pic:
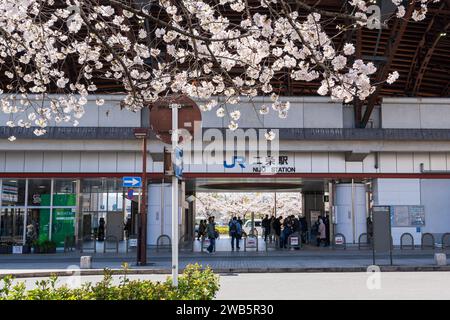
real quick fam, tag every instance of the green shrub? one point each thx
(222, 229)
(194, 284)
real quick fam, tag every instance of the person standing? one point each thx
(211, 233)
(266, 225)
(235, 233)
(321, 236)
(326, 221)
(201, 229)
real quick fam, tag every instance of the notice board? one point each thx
(407, 216)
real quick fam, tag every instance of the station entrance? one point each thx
(299, 206)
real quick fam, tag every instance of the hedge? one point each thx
(194, 284)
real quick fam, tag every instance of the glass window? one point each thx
(39, 192)
(63, 225)
(13, 192)
(38, 225)
(64, 193)
(11, 224)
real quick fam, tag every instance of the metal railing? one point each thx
(160, 242)
(445, 240)
(364, 241)
(409, 239)
(186, 242)
(112, 239)
(428, 241)
(92, 240)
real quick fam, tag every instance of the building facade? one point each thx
(69, 181)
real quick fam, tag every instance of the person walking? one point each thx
(266, 225)
(211, 233)
(235, 233)
(321, 236)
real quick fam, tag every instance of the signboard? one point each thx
(271, 164)
(130, 194)
(10, 193)
(293, 241)
(178, 162)
(135, 182)
(381, 228)
(407, 216)
(132, 243)
(251, 242)
(339, 240)
(17, 249)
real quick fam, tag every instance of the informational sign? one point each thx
(178, 163)
(407, 216)
(130, 194)
(10, 193)
(17, 249)
(251, 242)
(132, 243)
(293, 241)
(271, 164)
(339, 240)
(135, 182)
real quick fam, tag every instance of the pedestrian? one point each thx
(127, 228)
(326, 222)
(295, 224)
(266, 225)
(211, 232)
(304, 229)
(321, 236)
(201, 229)
(272, 230)
(287, 230)
(235, 233)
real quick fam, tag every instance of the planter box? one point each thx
(5, 249)
(38, 249)
(26, 249)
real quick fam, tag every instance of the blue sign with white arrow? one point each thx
(135, 182)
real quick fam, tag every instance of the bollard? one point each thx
(440, 259)
(85, 262)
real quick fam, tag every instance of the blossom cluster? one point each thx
(166, 47)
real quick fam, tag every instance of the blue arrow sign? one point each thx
(132, 182)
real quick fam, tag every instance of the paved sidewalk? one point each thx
(350, 260)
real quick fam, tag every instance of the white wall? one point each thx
(107, 115)
(420, 113)
(435, 196)
(304, 112)
(390, 192)
(159, 219)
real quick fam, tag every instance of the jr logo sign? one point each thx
(236, 160)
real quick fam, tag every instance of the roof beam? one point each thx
(426, 60)
(394, 41)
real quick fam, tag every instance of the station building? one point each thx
(64, 182)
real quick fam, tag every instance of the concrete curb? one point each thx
(95, 272)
